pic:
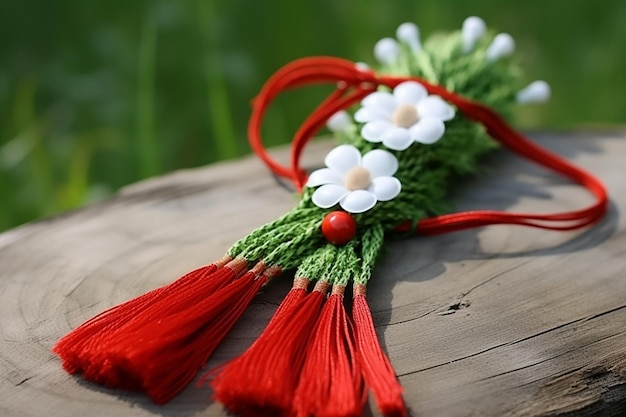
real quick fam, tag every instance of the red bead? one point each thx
(338, 227)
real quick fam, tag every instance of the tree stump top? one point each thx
(497, 321)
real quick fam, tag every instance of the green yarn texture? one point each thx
(428, 173)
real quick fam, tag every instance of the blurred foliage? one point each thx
(98, 94)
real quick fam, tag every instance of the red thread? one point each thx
(176, 348)
(354, 84)
(160, 350)
(93, 332)
(331, 383)
(378, 372)
(261, 381)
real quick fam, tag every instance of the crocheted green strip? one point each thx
(299, 227)
(339, 265)
(347, 264)
(318, 265)
(371, 245)
(304, 238)
(336, 265)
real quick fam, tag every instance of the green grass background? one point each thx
(101, 93)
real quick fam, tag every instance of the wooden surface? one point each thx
(502, 321)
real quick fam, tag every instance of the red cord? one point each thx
(354, 84)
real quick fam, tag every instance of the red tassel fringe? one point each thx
(331, 384)
(309, 361)
(378, 372)
(157, 343)
(262, 380)
(110, 362)
(100, 327)
(289, 373)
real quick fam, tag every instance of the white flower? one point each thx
(406, 116)
(355, 182)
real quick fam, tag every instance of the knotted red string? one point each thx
(353, 84)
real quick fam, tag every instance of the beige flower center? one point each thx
(358, 178)
(405, 116)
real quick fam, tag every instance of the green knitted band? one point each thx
(372, 243)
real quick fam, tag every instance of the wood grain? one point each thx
(501, 321)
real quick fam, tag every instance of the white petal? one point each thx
(363, 115)
(385, 102)
(358, 201)
(474, 28)
(386, 50)
(535, 92)
(501, 46)
(427, 131)
(435, 107)
(410, 34)
(397, 138)
(374, 131)
(362, 66)
(369, 114)
(328, 195)
(343, 158)
(409, 92)
(385, 188)
(380, 163)
(339, 122)
(324, 176)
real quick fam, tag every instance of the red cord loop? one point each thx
(353, 84)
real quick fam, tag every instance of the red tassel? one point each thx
(331, 384)
(100, 327)
(174, 348)
(378, 372)
(261, 381)
(160, 350)
(101, 359)
(93, 356)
